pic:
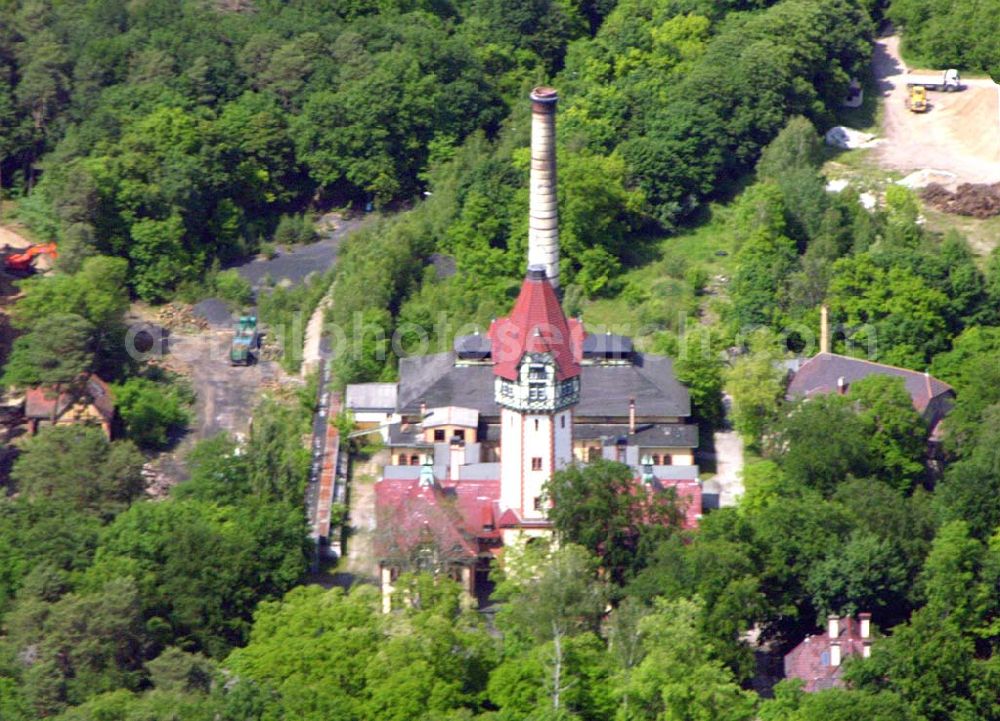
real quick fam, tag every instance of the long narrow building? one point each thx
(474, 434)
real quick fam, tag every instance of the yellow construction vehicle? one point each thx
(916, 100)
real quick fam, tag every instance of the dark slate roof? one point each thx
(606, 344)
(604, 389)
(408, 435)
(670, 435)
(435, 381)
(595, 345)
(370, 396)
(820, 374)
(472, 346)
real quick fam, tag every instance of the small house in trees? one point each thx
(474, 434)
(818, 660)
(831, 373)
(88, 401)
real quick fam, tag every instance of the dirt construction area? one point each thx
(959, 134)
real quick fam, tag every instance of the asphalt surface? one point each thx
(294, 265)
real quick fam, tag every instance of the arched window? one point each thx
(402, 460)
(414, 460)
(656, 459)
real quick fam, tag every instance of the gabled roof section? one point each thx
(821, 374)
(39, 401)
(536, 324)
(371, 397)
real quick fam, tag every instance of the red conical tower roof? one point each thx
(536, 324)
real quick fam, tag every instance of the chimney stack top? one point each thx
(544, 94)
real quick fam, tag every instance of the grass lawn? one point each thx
(669, 262)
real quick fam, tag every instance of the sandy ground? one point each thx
(10, 240)
(729, 466)
(960, 133)
(360, 564)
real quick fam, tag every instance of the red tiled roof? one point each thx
(461, 517)
(457, 518)
(39, 401)
(509, 519)
(810, 660)
(536, 324)
(689, 498)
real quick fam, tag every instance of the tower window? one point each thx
(538, 503)
(562, 421)
(438, 434)
(536, 391)
(536, 424)
(536, 373)
(536, 464)
(460, 435)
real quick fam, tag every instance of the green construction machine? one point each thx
(245, 341)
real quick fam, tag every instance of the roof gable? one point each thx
(536, 324)
(821, 373)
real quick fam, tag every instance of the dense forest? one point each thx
(159, 141)
(955, 35)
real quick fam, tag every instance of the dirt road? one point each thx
(960, 134)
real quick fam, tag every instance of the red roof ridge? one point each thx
(536, 324)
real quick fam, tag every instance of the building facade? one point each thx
(474, 434)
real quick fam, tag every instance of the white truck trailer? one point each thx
(948, 80)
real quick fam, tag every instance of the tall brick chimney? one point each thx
(824, 329)
(543, 217)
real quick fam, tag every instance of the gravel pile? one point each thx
(214, 311)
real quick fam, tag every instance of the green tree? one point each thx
(679, 680)
(864, 574)
(551, 599)
(81, 645)
(822, 441)
(56, 352)
(906, 319)
(77, 466)
(200, 569)
(153, 413)
(602, 507)
(755, 382)
(765, 259)
(896, 432)
(158, 256)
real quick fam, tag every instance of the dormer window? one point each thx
(537, 373)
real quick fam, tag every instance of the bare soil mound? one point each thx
(959, 134)
(978, 200)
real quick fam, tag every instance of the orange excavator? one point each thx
(28, 260)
